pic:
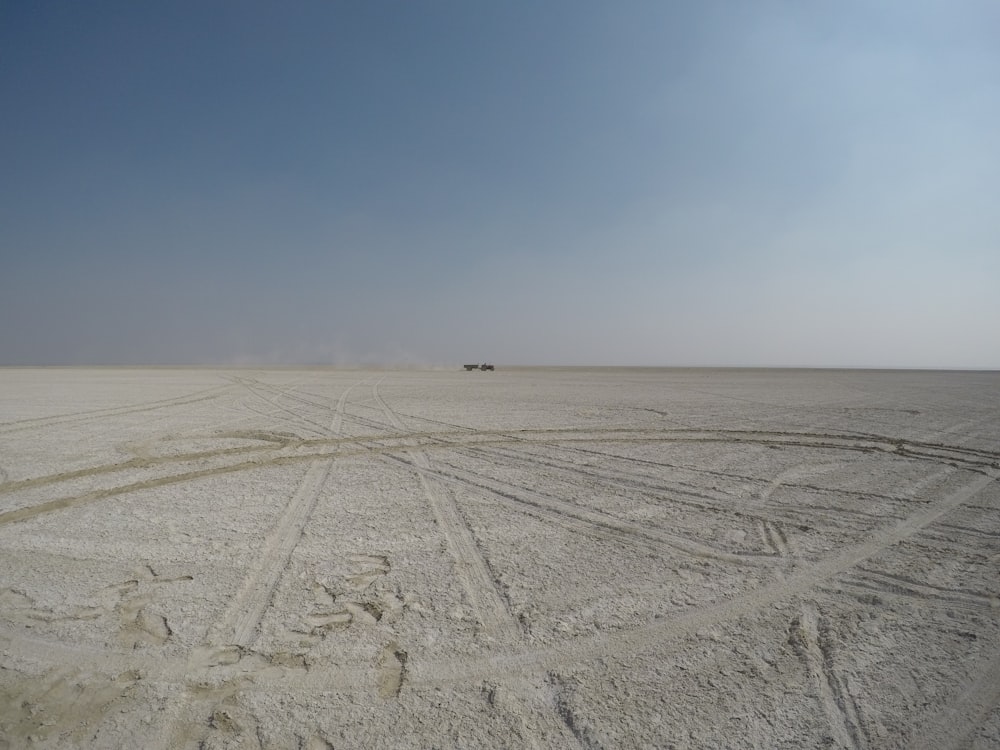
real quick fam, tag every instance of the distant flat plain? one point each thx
(532, 557)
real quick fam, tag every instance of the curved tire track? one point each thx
(519, 660)
(641, 639)
(290, 452)
(520, 663)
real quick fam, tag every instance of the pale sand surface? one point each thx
(527, 558)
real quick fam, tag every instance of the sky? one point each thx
(430, 183)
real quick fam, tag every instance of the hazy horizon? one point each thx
(502, 366)
(428, 184)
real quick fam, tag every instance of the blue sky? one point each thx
(427, 183)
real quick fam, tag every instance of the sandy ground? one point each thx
(525, 558)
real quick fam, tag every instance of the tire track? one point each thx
(480, 585)
(687, 494)
(756, 512)
(242, 618)
(278, 448)
(533, 709)
(887, 583)
(230, 641)
(515, 660)
(954, 726)
(279, 457)
(812, 639)
(117, 411)
(793, 474)
(471, 566)
(73, 501)
(631, 642)
(140, 463)
(771, 531)
(971, 458)
(287, 453)
(520, 664)
(258, 390)
(677, 493)
(314, 402)
(445, 440)
(590, 521)
(337, 423)
(774, 536)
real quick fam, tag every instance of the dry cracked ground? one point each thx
(525, 558)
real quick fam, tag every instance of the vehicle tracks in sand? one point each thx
(229, 642)
(675, 493)
(272, 396)
(481, 588)
(772, 532)
(294, 450)
(473, 570)
(814, 641)
(642, 639)
(772, 519)
(588, 521)
(953, 727)
(242, 618)
(517, 660)
(875, 584)
(478, 584)
(529, 679)
(523, 660)
(419, 444)
(314, 404)
(631, 642)
(115, 411)
(865, 442)
(774, 535)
